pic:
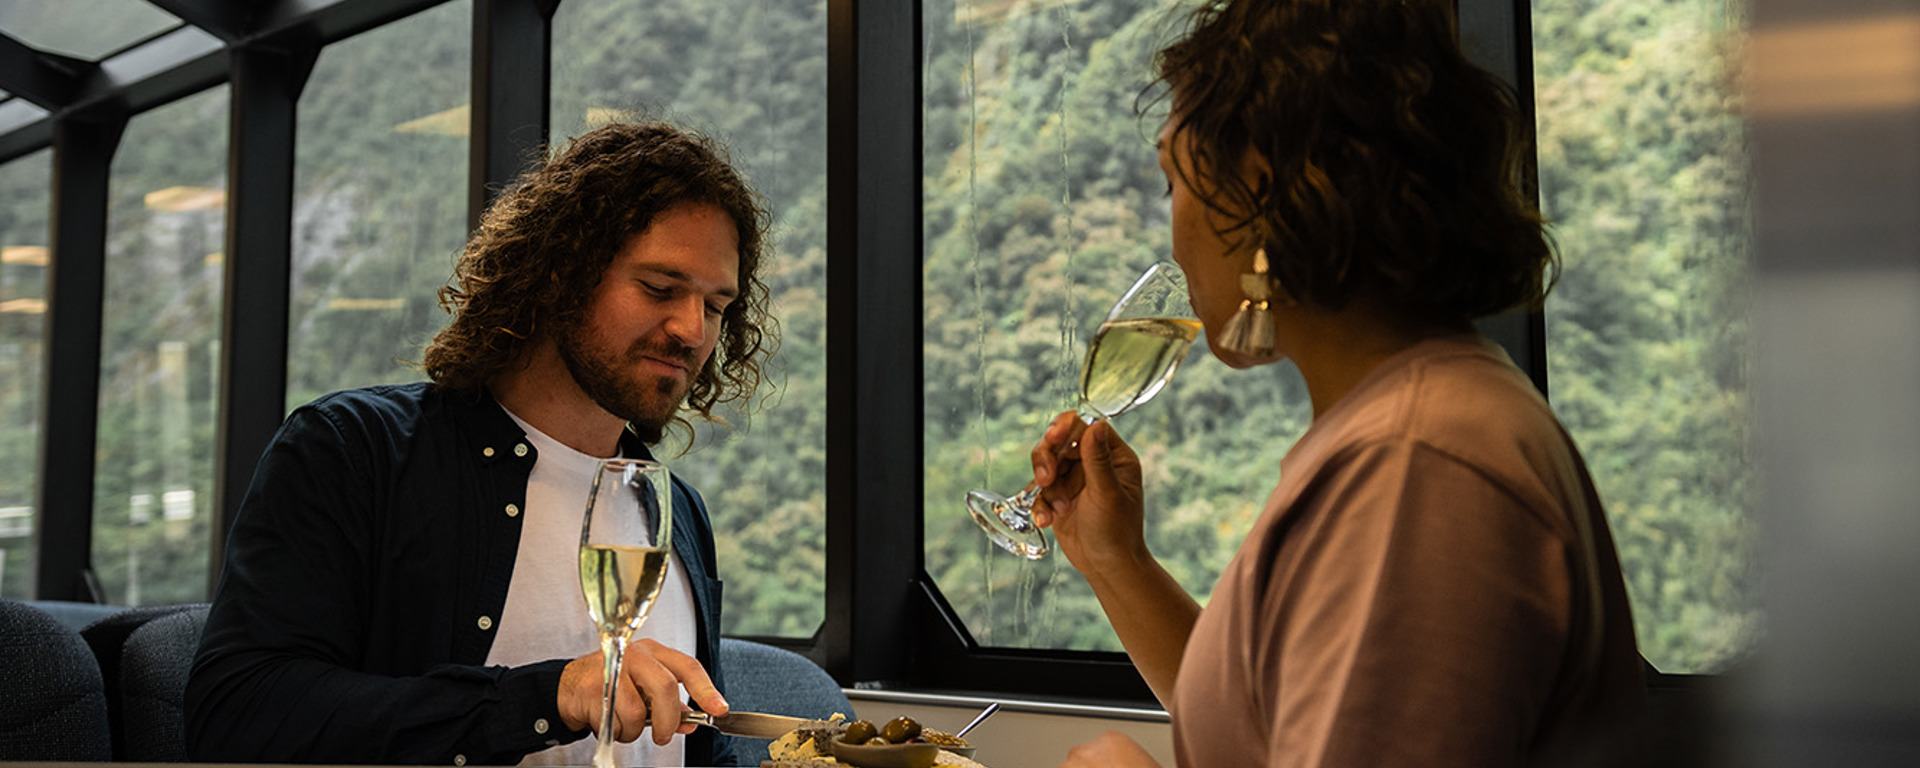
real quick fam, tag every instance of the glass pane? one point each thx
(1042, 201)
(380, 203)
(85, 29)
(751, 73)
(1648, 344)
(160, 352)
(25, 199)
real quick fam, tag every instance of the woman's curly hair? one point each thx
(1395, 160)
(542, 247)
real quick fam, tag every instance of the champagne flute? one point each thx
(626, 542)
(1133, 354)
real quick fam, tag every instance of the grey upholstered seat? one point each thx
(153, 684)
(763, 678)
(108, 638)
(55, 707)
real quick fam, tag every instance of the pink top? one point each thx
(1432, 583)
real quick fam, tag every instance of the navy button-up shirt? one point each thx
(364, 574)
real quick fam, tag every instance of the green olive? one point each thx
(899, 729)
(859, 732)
(878, 742)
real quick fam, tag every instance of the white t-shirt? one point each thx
(546, 613)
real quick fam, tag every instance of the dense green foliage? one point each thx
(1643, 174)
(153, 476)
(24, 191)
(1042, 202)
(1042, 199)
(380, 200)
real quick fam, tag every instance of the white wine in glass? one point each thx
(626, 542)
(1131, 358)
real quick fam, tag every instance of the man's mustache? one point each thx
(666, 351)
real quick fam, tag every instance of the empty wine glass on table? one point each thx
(626, 542)
(1131, 357)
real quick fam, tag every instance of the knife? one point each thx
(753, 724)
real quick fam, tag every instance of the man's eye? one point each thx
(656, 290)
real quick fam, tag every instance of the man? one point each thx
(401, 583)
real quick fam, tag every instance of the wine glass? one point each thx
(626, 542)
(1131, 357)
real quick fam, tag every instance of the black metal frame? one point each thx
(267, 79)
(886, 624)
(512, 44)
(83, 148)
(873, 394)
(1499, 34)
(46, 79)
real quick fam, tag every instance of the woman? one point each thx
(1432, 581)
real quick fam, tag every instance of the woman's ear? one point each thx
(1256, 170)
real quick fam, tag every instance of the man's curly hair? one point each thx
(541, 248)
(1395, 160)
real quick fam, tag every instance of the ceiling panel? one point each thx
(83, 29)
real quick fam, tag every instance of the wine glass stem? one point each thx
(614, 648)
(1067, 453)
(1087, 413)
(1024, 501)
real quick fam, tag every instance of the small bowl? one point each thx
(889, 756)
(966, 752)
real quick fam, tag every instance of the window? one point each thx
(380, 202)
(24, 192)
(1042, 201)
(751, 73)
(166, 226)
(87, 29)
(1647, 333)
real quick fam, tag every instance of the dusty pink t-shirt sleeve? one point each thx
(1413, 613)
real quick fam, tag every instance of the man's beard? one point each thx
(648, 406)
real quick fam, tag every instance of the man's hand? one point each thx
(650, 673)
(1110, 750)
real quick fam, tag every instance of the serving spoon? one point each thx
(991, 708)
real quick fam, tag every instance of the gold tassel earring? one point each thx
(1250, 330)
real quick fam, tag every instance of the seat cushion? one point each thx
(55, 707)
(153, 684)
(108, 639)
(765, 678)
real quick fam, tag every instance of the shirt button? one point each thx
(520, 449)
(485, 622)
(513, 510)
(459, 759)
(540, 725)
(487, 452)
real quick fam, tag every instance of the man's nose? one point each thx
(687, 321)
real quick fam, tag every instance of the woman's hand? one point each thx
(651, 672)
(1110, 750)
(1094, 504)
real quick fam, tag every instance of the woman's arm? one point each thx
(1096, 511)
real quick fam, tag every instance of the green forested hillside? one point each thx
(1644, 177)
(1042, 198)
